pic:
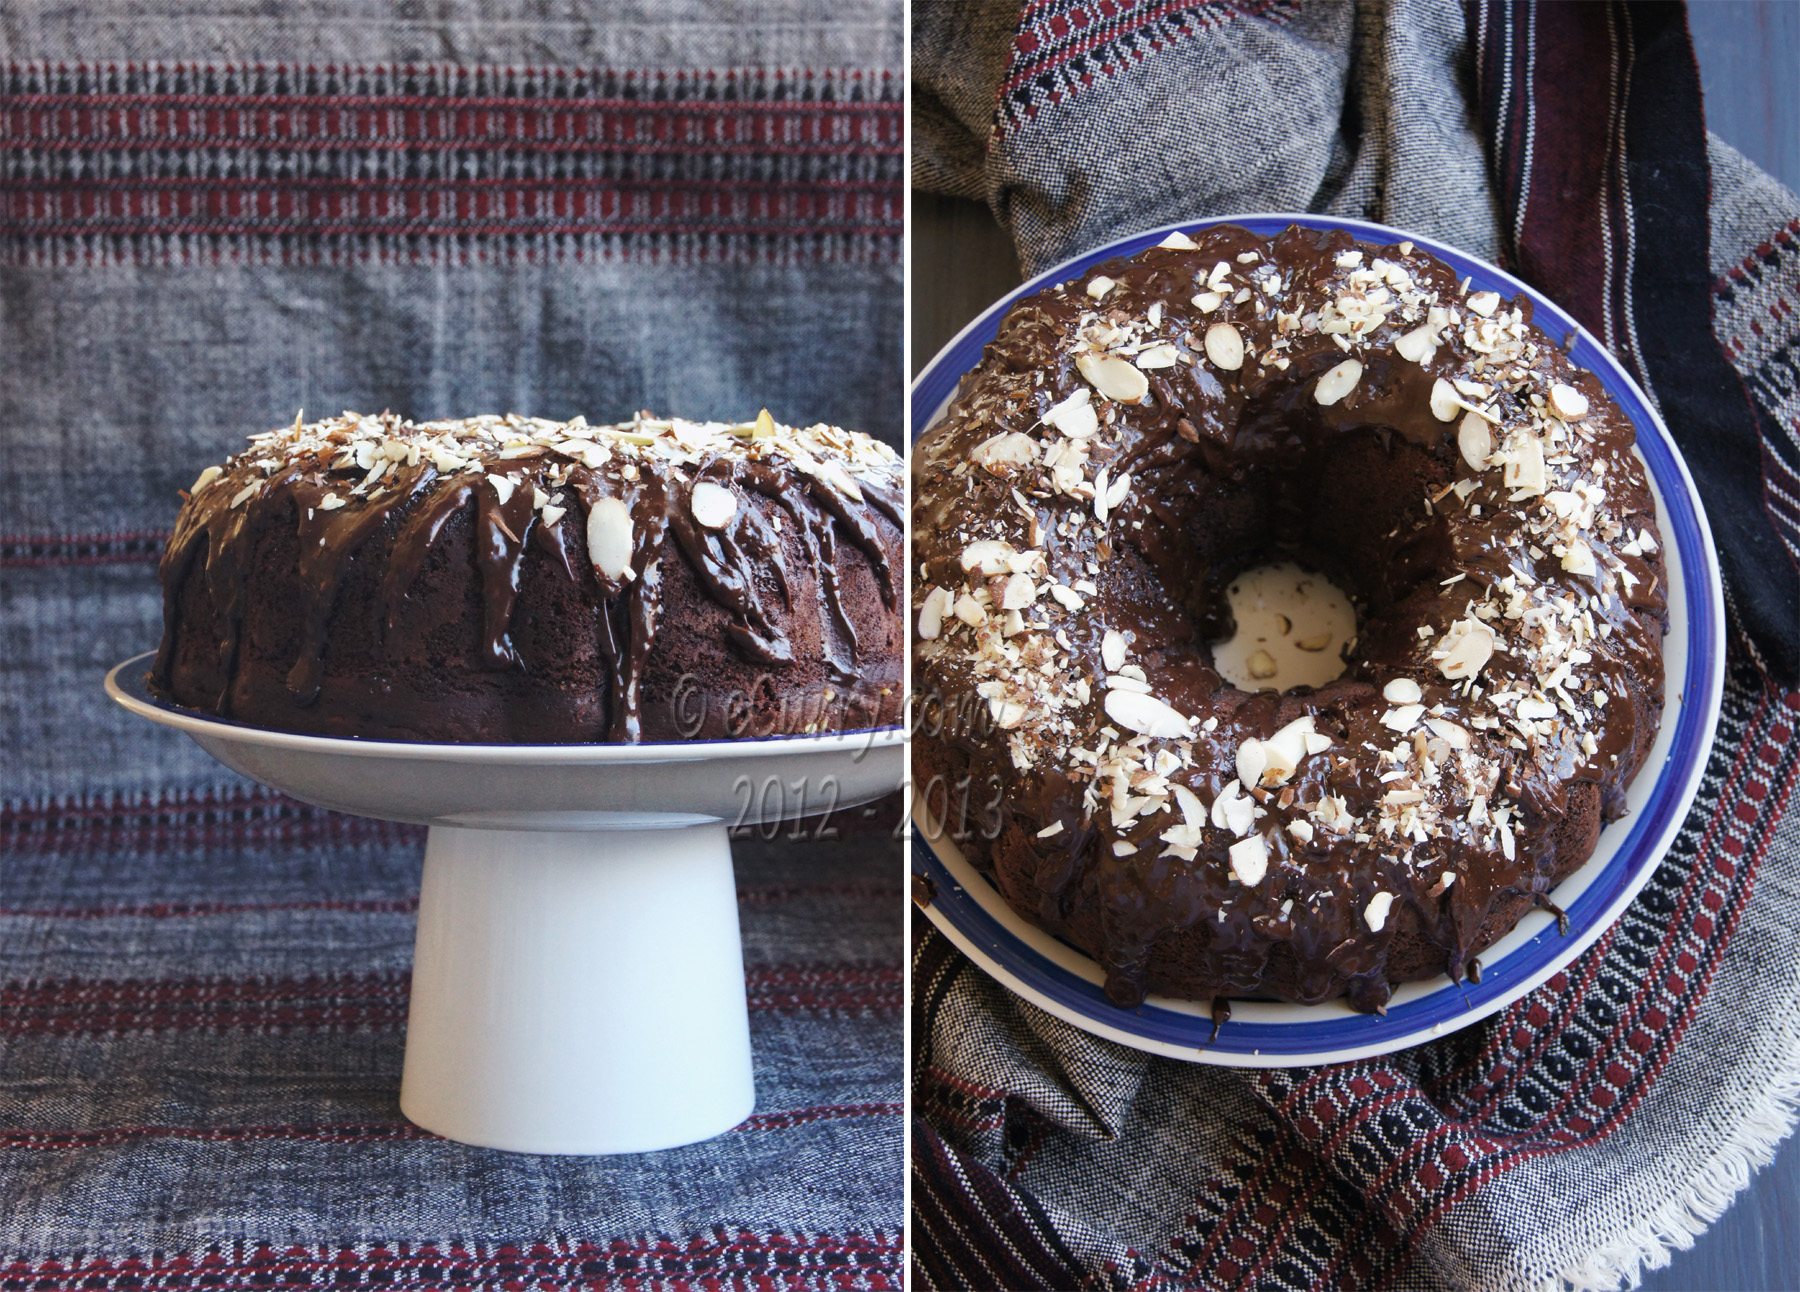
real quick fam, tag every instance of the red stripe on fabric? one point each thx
(752, 895)
(42, 1141)
(132, 547)
(1022, 92)
(203, 818)
(1551, 1125)
(1560, 247)
(1513, 1061)
(1681, 938)
(75, 124)
(432, 208)
(349, 1002)
(1754, 835)
(1355, 1118)
(723, 1258)
(828, 1112)
(242, 164)
(192, 910)
(1605, 1120)
(1105, 32)
(1238, 1225)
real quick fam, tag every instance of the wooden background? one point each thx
(1749, 52)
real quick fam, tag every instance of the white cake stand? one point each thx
(578, 979)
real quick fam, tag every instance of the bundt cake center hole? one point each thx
(1294, 628)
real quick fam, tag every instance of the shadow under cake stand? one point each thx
(578, 978)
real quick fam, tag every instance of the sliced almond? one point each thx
(1469, 653)
(1301, 830)
(988, 555)
(1163, 355)
(1075, 416)
(1402, 718)
(503, 486)
(1179, 241)
(1146, 715)
(1007, 452)
(1193, 811)
(1337, 383)
(1252, 760)
(206, 477)
(1570, 404)
(1315, 643)
(1376, 912)
(713, 504)
(1476, 440)
(1457, 737)
(1262, 665)
(1099, 285)
(834, 475)
(1207, 302)
(1284, 751)
(1483, 303)
(1114, 377)
(1225, 347)
(1112, 651)
(1232, 811)
(1008, 714)
(1579, 559)
(1418, 345)
(1525, 465)
(609, 538)
(1402, 690)
(1020, 592)
(1250, 860)
(931, 614)
(1444, 400)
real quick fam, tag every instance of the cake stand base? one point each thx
(578, 985)
(578, 992)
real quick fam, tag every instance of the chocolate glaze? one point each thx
(323, 493)
(1235, 468)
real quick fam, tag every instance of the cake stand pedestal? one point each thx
(578, 979)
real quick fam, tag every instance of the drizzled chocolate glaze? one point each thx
(372, 576)
(1236, 467)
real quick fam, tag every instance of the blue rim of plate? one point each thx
(1335, 1034)
(125, 682)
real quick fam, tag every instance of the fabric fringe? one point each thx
(1757, 1132)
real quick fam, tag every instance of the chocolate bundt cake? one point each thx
(508, 579)
(1134, 440)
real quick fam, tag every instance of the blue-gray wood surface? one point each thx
(1749, 53)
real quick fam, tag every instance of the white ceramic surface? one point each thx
(578, 982)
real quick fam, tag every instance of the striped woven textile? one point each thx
(212, 215)
(202, 1014)
(1572, 1139)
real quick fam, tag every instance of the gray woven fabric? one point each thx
(212, 215)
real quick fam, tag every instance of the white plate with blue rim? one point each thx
(1056, 976)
